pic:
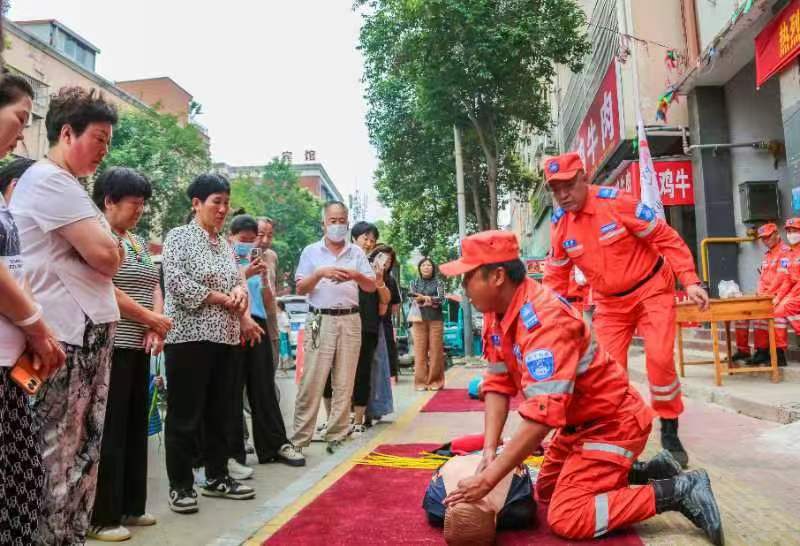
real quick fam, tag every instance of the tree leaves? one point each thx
(169, 154)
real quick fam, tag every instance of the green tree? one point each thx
(483, 65)
(296, 212)
(169, 154)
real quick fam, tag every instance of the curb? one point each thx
(721, 397)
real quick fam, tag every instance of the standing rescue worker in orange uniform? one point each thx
(630, 259)
(773, 273)
(537, 343)
(787, 295)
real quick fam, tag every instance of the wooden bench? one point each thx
(728, 310)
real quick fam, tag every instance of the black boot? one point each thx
(760, 358)
(661, 467)
(671, 442)
(740, 357)
(691, 495)
(781, 358)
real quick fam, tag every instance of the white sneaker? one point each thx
(239, 471)
(200, 476)
(145, 520)
(109, 534)
(319, 434)
(357, 430)
(291, 455)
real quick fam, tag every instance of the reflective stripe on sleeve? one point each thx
(497, 368)
(600, 514)
(648, 230)
(559, 263)
(793, 317)
(608, 448)
(587, 358)
(549, 387)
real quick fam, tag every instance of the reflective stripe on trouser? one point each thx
(786, 314)
(742, 328)
(335, 354)
(654, 318)
(585, 480)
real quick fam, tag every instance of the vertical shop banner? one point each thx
(675, 182)
(779, 43)
(600, 132)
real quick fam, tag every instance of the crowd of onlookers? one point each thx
(85, 307)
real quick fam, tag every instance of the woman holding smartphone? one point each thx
(22, 329)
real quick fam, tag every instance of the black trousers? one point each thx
(362, 385)
(253, 369)
(122, 477)
(199, 391)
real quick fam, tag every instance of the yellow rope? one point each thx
(427, 461)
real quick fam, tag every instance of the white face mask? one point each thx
(793, 237)
(336, 233)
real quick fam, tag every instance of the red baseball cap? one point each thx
(486, 247)
(562, 167)
(767, 229)
(793, 223)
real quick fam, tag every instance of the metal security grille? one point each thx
(602, 33)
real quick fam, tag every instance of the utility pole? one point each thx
(466, 307)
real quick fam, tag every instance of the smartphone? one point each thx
(381, 259)
(25, 376)
(255, 254)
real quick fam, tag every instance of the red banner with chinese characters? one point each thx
(779, 43)
(599, 133)
(675, 181)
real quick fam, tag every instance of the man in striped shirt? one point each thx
(536, 343)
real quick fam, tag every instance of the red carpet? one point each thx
(371, 506)
(457, 400)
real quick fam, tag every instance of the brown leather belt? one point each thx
(653, 273)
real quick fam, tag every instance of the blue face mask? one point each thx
(242, 252)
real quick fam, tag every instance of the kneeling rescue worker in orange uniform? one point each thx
(537, 343)
(630, 259)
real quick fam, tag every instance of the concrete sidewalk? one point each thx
(753, 395)
(753, 464)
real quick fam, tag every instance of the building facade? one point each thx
(311, 175)
(50, 56)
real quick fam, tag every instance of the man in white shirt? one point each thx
(330, 272)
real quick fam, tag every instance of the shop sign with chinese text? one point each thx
(675, 181)
(779, 43)
(600, 132)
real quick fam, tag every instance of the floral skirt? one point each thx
(70, 413)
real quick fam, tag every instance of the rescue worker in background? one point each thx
(630, 259)
(769, 281)
(787, 296)
(535, 342)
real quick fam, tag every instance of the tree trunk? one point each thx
(476, 202)
(484, 131)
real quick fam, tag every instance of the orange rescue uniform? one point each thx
(773, 280)
(787, 295)
(630, 259)
(542, 347)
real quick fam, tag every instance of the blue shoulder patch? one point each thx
(784, 262)
(495, 340)
(643, 212)
(608, 193)
(540, 364)
(528, 316)
(558, 213)
(569, 243)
